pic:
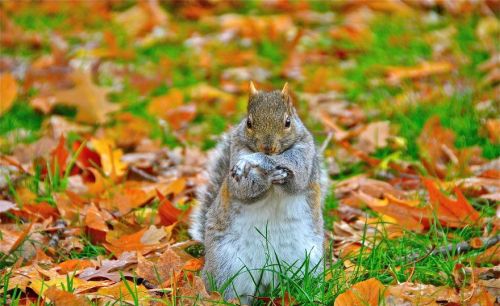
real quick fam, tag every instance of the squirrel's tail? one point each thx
(218, 168)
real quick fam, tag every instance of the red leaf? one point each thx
(169, 214)
(59, 157)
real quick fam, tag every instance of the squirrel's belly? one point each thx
(279, 225)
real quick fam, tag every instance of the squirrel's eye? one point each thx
(287, 122)
(249, 123)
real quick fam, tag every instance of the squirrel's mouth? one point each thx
(269, 150)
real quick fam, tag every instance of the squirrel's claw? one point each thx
(240, 169)
(279, 176)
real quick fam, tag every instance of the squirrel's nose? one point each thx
(268, 149)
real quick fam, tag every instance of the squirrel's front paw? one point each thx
(241, 169)
(279, 175)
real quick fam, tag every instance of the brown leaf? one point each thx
(90, 100)
(164, 269)
(11, 238)
(110, 269)
(8, 91)
(368, 292)
(126, 293)
(491, 255)
(419, 294)
(374, 136)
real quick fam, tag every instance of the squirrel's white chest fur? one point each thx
(279, 224)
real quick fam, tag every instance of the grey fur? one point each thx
(291, 166)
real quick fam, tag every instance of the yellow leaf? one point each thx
(110, 157)
(126, 292)
(8, 91)
(63, 281)
(89, 99)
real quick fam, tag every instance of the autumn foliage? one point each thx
(109, 109)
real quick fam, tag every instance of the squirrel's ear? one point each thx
(253, 90)
(285, 91)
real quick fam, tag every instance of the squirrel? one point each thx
(265, 195)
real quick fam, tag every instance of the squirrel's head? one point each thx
(272, 124)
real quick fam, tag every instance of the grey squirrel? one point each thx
(265, 195)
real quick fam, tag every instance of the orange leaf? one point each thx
(62, 297)
(181, 116)
(194, 265)
(367, 292)
(159, 105)
(133, 242)
(73, 265)
(457, 213)
(8, 91)
(396, 74)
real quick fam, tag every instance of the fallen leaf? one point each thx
(374, 136)
(64, 298)
(72, 265)
(59, 157)
(11, 238)
(493, 126)
(132, 242)
(6, 206)
(8, 91)
(127, 292)
(110, 269)
(112, 164)
(397, 74)
(368, 292)
(419, 294)
(164, 269)
(89, 99)
(458, 213)
(141, 18)
(491, 255)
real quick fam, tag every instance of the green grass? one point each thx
(384, 258)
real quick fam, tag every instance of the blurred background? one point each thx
(108, 110)
(177, 72)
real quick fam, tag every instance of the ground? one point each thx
(109, 109)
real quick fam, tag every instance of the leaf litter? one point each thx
(122, 108)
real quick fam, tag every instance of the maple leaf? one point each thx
(90, 100)
(8, 91)
(457, 213)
